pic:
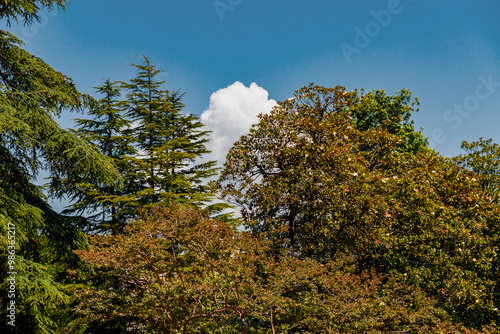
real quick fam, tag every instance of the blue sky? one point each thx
(446, 52)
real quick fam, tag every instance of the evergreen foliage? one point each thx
(350, 223)
(154, 146)
(28, 9)
(31, 94)
(168, 143)
(105, 206)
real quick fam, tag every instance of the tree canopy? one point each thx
(349, 223)
(483, 158)
(32, 94)
(28, 10)
(177, 271)
(154, 145)
(313, 177)
(168, 142)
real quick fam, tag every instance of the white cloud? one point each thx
(231, 113)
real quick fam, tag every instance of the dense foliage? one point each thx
(310, 178)
(104, 206)
(32, 94)
(177, 271)
(153, 145)
(168, 143)
(349, 222)
(483, 158)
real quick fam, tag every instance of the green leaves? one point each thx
(295, 165)
(483, 158)
(103, 202)
(168, 143)
(155, 147)
(178, 271)
(28, 9)
(329, 173)
(31, 94)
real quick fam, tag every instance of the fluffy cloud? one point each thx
(231, 113)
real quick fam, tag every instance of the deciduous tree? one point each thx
(319, 178)
(177, 271)
(483, 158)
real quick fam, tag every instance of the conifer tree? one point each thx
(168, 142)
(154, 147)
(37, 240)
(106, 207)
(28, 9)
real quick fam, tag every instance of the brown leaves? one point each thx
(178, 264)
(176, 270)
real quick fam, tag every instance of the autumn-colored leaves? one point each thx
(177, 271)
(344, 208)
(347, 174)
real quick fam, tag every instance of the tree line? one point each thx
(349, 222)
